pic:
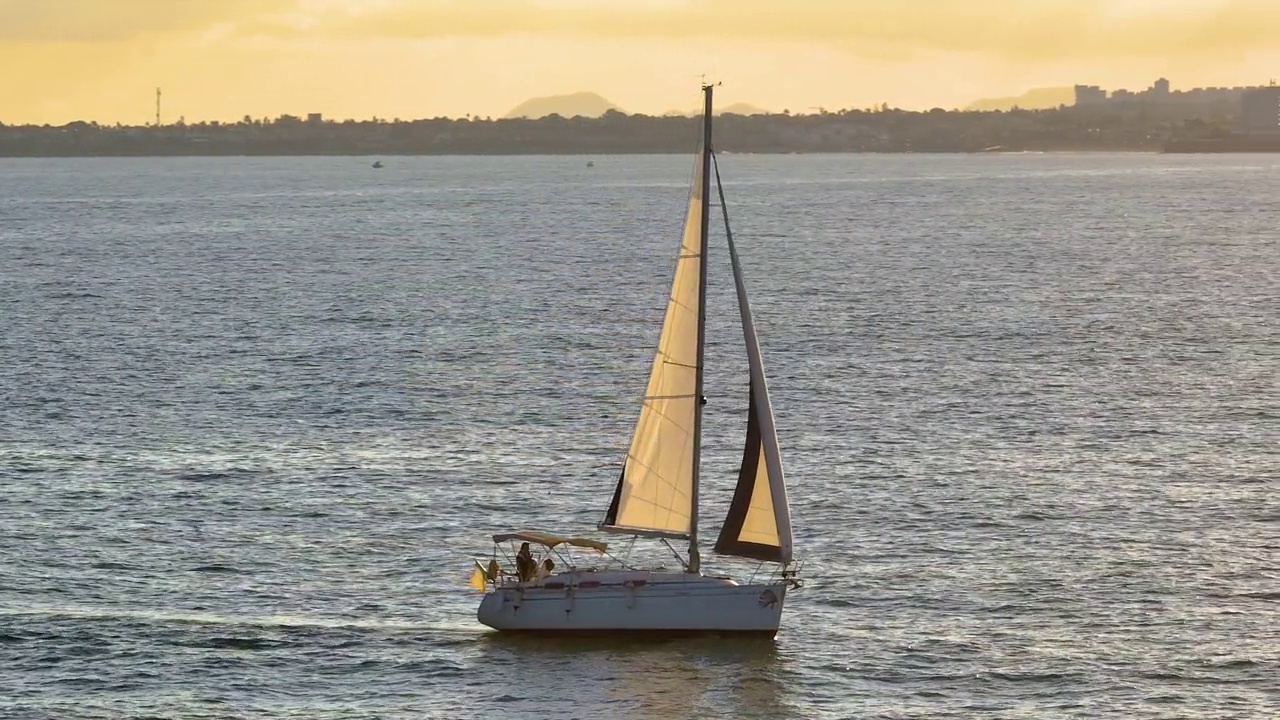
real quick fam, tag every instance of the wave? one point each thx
(238, 643)
(215, 568)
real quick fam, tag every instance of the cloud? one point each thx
(1036, 30)
(113, 20)
(1018, 30)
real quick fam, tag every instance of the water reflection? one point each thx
(662, 679)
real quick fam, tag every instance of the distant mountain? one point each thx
(734, 109)
(586, 104)
(1037, 99)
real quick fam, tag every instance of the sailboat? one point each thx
(658, 493)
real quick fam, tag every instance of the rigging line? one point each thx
(724, 206)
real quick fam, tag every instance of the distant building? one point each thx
(1260, 111)
(315, 118)
(1090, 95)
(1161, 95)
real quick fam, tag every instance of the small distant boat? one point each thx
(377, 164)
(658, 492)
(590, 164)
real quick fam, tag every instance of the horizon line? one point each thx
(671, 115)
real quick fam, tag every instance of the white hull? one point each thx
(634, 601)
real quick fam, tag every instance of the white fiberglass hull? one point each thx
(634, 601)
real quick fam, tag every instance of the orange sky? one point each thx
(64, 60)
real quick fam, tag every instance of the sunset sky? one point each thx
(63, 60)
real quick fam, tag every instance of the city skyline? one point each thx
(1160, 91)
(223, 59)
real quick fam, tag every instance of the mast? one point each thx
(695, 559)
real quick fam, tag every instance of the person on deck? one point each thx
(526, 568)
(548, 566)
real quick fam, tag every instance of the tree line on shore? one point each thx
(877, 130)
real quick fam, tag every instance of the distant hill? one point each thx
(734, 109)
(1037, 99)
(586, 104)
(742, 109)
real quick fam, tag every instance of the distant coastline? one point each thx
(882, 130)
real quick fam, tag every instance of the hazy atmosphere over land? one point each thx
(100, 60)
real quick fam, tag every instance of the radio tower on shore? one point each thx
(157, 107)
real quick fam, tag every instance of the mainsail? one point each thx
(758, 524)
(656, 494)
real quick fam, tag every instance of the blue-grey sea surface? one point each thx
(258, 416)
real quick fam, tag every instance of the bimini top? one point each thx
(549, 540)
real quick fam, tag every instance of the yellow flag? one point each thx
(477, 577)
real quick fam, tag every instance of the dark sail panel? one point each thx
(749, 528)
(611, 517)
